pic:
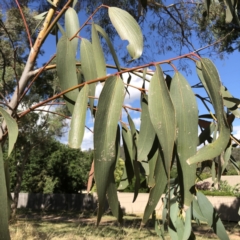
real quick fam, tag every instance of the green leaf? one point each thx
(229, 11)
(3, 201)
(214, 149)
(230, 102)
(185, 105)
(72, 26)
(210, 214)
(147, 133)
(128, 29)
(197, 213)
(88, 67)
(157, 191)
(61, 29)
(188, 224)
(124, 180)
(66, 70)
(112, 189)
(98, 54)
(162, 115)
(40, 16)
(109, 43)
(128, 145)
(105, 129)
(74, 3)
(12, 129)
(77, 126)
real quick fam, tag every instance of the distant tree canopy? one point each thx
(51, 162)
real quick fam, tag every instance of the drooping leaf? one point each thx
(88, 67)
(128, 145)
(197, 213)
(229, 11)
(12, 129)
(210, 214)
(157, 191)
(61, 29)
(66, 70)
(214, 149)
(7, 177)
(105, 129)
(128, 29)
(185, 105)
(230, 102)
(147, 133)
(109, 43)
(187, 224)
(72, 26)
(98, 54)
(77, 126)
(112, 188)
(124, 180)
(3, 201)
(40, 16)
(162, 114)
(136, 164)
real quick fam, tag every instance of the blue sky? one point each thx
(229, 71)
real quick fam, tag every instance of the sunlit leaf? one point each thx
(230, 102)
(147, 133)
(88, 67)
(187, 224)
(210, 214)
(109, 43)
(124, 180)
(185, 105)
(162, 114)
(157, 191)
(40, 16)
(128, 29)
(214, 149)
(105, 129)
(66, 70)
(72, 26)
(12, 129)
(229, 11)
(3, 201)
(77, 126)
(98, 54)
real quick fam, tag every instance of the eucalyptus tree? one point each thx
(169, 117)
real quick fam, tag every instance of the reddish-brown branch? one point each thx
(25, 23)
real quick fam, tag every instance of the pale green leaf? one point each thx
(162, 115)
(128, 29)
(185, 105)
(72, 26)
(152, 164)
(77, 126)
(12, 129)
(66, 70)
(98, 54)
(3, 201)
(105, 129)
(197, 213)
(210, 214)
(187, 224)
(40, 16)
(88, 67)
(147, 133)
(229, 11)
(214, 149)
(230, 102)
(61, 29)
(109, 43)
(157, 191)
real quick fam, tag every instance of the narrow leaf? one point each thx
(128, 29)
(187, 133)
(210, 214)
(88, 67)
(3, 201)
(147, 132)
(77, 126)
(157, 191)
(66, 70)
(162, 115)
(214, 149)
(12, 129)
(105, 129)
(98, 54)
(40, 16)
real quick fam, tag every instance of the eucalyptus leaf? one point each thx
(77, 126)
(105, 129)
(162, 114)
(214, 149)
(3, 201)
(12, 129)
(72, 26)
(128, 29)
